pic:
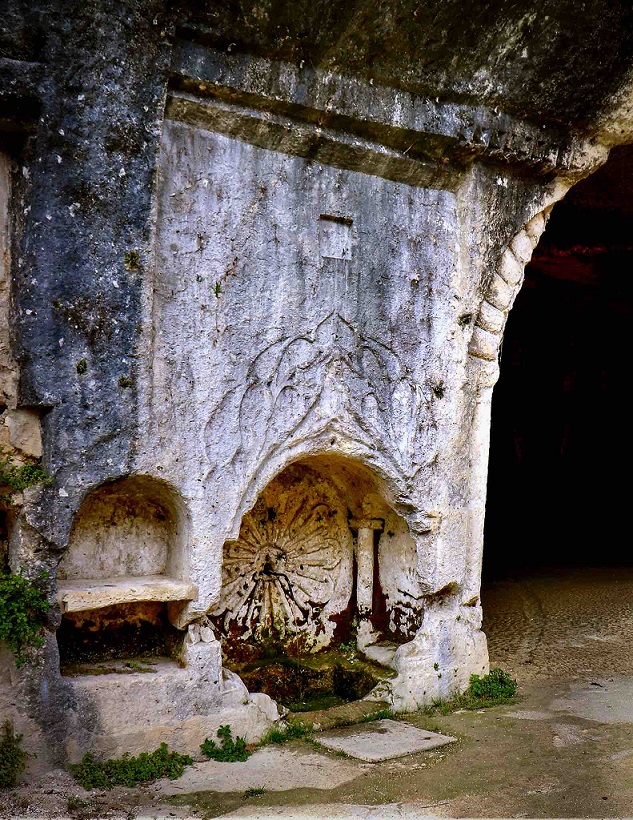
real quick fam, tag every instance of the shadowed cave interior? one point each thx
(561, 443)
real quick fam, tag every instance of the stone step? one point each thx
(344, 715)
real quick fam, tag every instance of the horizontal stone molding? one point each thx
(278, 132)
(397, 119)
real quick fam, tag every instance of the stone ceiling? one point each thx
(554, 61)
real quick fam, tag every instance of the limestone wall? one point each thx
(324, 306)
(255, 276)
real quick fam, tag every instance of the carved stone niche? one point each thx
(305, 568)
(288, 576)
(126, 562)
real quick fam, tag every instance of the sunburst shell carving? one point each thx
(290, 570)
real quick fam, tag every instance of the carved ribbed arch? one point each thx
(503, 288)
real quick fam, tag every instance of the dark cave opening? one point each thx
(561, 438)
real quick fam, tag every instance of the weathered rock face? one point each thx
(257, 261)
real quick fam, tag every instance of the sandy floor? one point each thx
(565, 750)
(561, 624)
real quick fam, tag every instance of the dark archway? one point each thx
(558, 569)
(561, 439)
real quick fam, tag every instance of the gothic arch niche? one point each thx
(321, 559)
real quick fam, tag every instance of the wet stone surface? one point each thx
(312, 682)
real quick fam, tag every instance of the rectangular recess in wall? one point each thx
(335, 236)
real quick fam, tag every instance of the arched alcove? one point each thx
(135, 526)
(322, 561)
(126, 561)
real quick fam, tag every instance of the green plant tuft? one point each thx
(18, 477)
(132, 260)
(253, 792)
(129, 771)
(12, 756)
(23, 609)
(349, 649)
(293, 731)
(230, 751)
(484, 691)
(497, 686)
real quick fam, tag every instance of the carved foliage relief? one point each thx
(331, 374)
(291, 299)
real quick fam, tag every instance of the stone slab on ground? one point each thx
(341, 811)
(382, 740)
(273, 769)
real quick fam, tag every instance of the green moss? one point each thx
(132, 260)
(12, 756)
(125, 381)
(316, 703)
(18, 477)
(23, 609)
(130, 771)
(82, 367)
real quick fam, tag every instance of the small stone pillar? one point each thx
(365, 564)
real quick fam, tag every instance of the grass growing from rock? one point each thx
(230, 750)
(493, 689)
(12, 756)
(15, 478)
(130, 771)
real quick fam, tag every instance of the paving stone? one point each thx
(340, 811)
(382, 740)
(270, 768)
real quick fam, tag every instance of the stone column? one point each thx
(365, 566)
